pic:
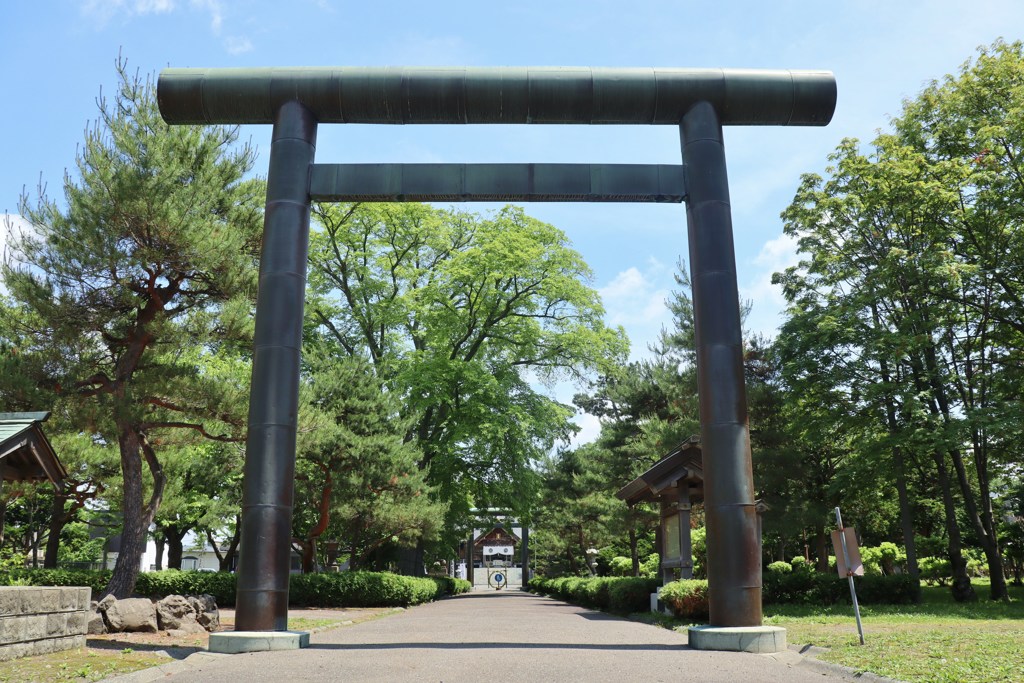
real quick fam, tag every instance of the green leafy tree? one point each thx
(459, 315)
(357, 475)
(912, 271)
(149, 257)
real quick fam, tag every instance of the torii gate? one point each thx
(296, 100)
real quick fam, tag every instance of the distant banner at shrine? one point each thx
(497, 550)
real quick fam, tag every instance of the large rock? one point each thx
(177, 613)
(207, 614)
(97, 625)
(106, 602)
(131, 614)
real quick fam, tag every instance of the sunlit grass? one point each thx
(77, 665)
(937, 640)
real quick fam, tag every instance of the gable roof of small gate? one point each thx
(483, 537)
(26, 452)
(684, 463)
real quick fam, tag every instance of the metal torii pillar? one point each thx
(295, 100)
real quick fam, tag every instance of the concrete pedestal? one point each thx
(235, 642)
(758, 639)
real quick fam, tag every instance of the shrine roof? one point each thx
(25, 452)
(682, 464)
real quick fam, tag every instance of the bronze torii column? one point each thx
(295, 100)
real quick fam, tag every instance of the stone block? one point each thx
(35, 626)
(132, 614)
(13, 651)
(12, 629)
(10, 600)
(105, 603)
(174, 611)
(96, 625)
(757, 639)
(235, 642)
(206, 610)
(74, 598)
(76, 624)
(56, 624)
(44, 600)
(41, 619)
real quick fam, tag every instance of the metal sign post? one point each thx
(847, 568)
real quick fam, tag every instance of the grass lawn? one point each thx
(94, 663)
(82, 664)
(937, 640)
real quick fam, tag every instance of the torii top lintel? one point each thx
(498, 95)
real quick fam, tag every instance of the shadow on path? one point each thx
(175, 652)
(500, 646)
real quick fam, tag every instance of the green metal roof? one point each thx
(25, 452)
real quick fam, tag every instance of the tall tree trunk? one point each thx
(58, 519)
(307, 547)
(226, 559)
(962, 589)
(906, 518)
(308, 544)
(160, 542)
(174, 538)
(410, 560)
(821, 546)
(899, 461)
(985, 533)
(3, 501)
(634, 553)
(137, 516)
(583, 549)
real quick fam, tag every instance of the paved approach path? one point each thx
(507, 637)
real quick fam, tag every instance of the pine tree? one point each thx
(149, 260)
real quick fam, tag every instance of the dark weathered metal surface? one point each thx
(497, 95)
(264, 565)
(497, 183)
(734, 554)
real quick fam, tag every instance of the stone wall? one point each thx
(35, 620)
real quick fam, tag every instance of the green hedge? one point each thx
(623, 594)
(344, 589)
(688, 598)
(97, 580)
(829, 589)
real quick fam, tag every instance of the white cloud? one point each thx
(102, 11)
(216, 11)
(11, 225)
(153, 6)
(590, 429)
(775, 256)
(635, 299)
(237, 45)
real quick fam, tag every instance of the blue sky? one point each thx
(58, 53)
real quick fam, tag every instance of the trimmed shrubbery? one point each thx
(622, 594)
(344, 589)
(687, 598)
(815, 588)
